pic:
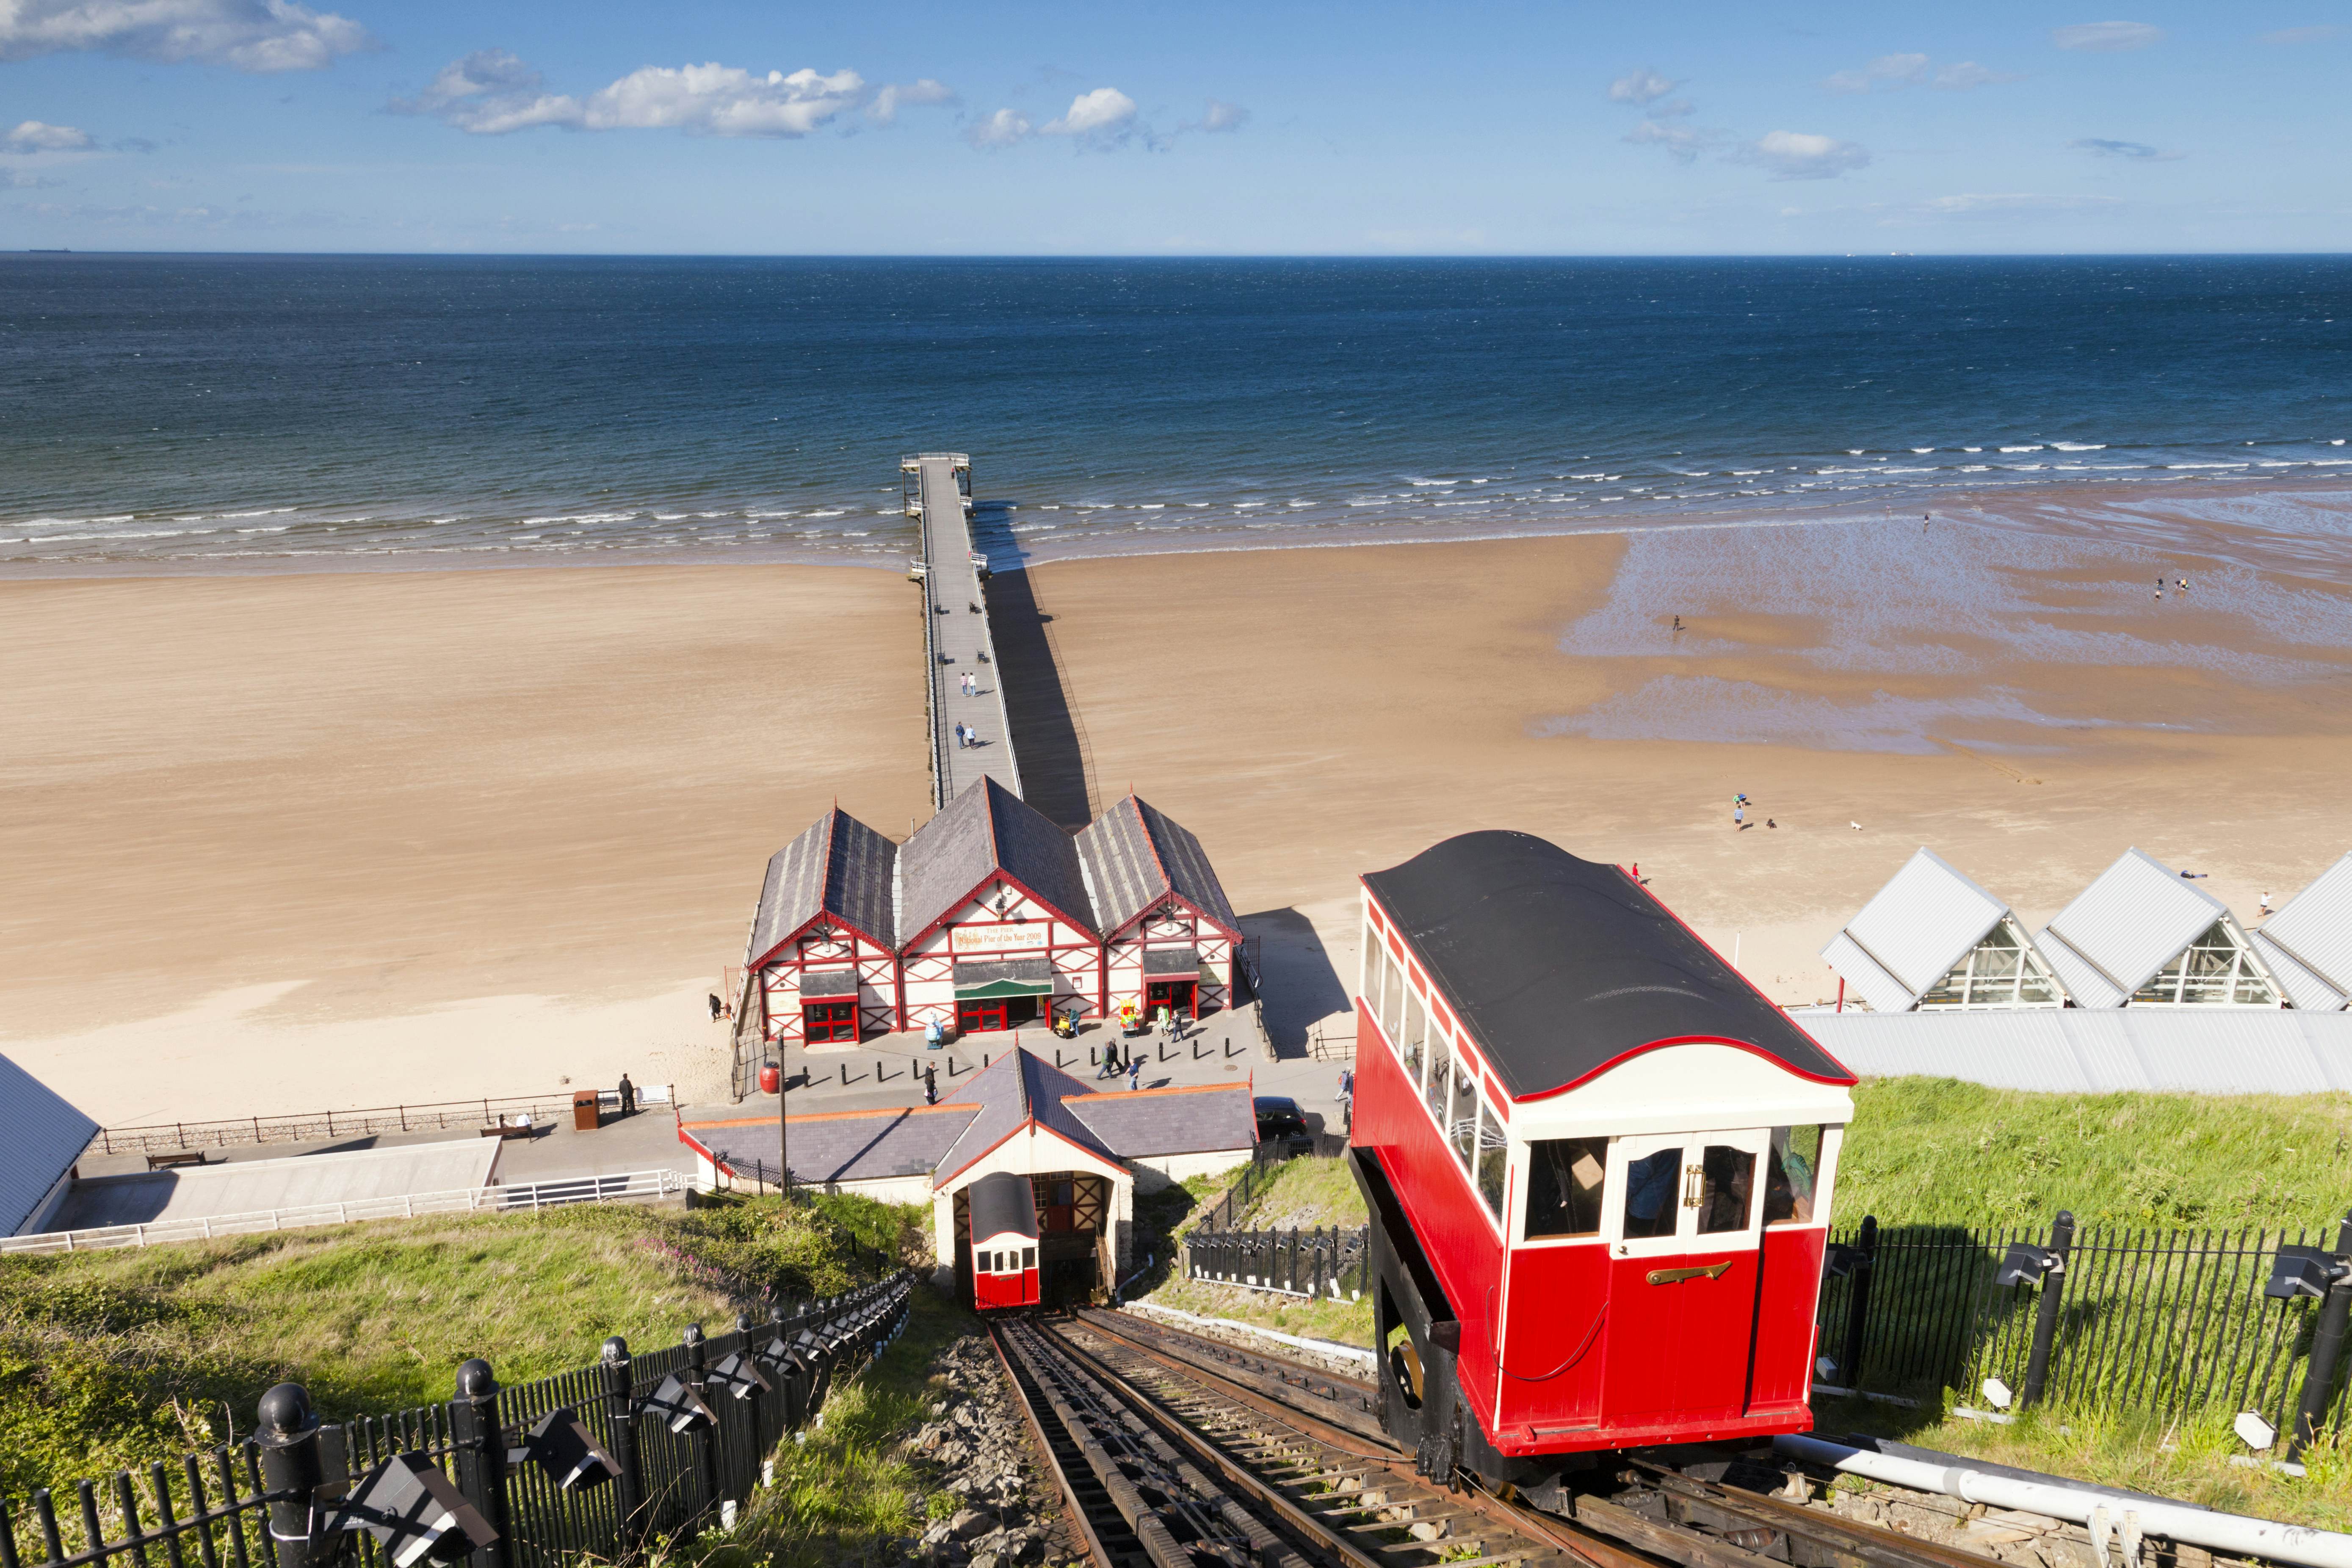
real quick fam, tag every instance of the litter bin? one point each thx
(586, 1116)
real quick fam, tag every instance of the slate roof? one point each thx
(839, 867)
(1561, 967)
(846, 1145)
(1015, 1090)
(2315, 930)
(1136, 856)
(2128, 923)
(1143, 1122)
(985, 830)
(46, 1135)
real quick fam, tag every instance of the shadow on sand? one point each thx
(1301, 986)
(1046, 734)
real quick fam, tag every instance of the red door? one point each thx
(822, 1022)
(1683, 1231)
(982, 1015)
(1176, 996)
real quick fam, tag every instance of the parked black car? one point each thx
(1280, 1121)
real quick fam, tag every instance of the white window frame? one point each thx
(1686, 1238)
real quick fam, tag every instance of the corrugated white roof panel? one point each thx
(2206, 1050)
(2083, 981)
(1924, 921)
(2306, 990)
(2136, 918)
(46, 1135)
(2315, 926)
(1859, 970)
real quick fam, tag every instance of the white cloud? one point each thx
(1684, 142)
(886, 102)
(2137, 152)
(1221, 117)
(1967, 74)
(491, 93)
(33, 136)
(2107, 37)
(2290, 35)
(1105, 114)
(1886, 70)
(1644, 86)
(1003, 129)
(246, 34)
(1800, 155)
(15, 180)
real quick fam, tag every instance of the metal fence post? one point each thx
(755, 1406)
(289, 1438)
(482, 1456)
(704, 1438)
(621, 1442)
(1857, 1300)
(2326, 1346)
(2046, 1309)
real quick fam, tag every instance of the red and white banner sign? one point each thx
(1027, 935)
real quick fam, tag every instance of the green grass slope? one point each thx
(111, 1359)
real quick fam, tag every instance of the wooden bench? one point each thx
(503, 1130)
(176, 1158)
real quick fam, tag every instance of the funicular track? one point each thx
(1178, 1451)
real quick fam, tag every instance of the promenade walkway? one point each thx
(957, 639)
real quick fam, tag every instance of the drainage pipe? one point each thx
(2231, 1533)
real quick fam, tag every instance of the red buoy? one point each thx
(770, 1078)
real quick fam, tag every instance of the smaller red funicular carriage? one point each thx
(1004, 1209)
(1598, 1165)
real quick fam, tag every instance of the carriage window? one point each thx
(1028, 1256)
(1726, 1181)
(1463, 1130)
(1790, 1170)
(1651, 1185)
(1376, 970)
(1441, 1073)
(986, 1263)
(1565, 1177)
(1392, 1002)
(1494, 1159)
(1416, 1029)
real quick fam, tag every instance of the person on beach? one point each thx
(1738, 816)
(2266, 907)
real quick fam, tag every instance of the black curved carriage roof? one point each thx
(1561, 967)
(1003, 1204)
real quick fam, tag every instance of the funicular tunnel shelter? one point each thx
(1598, 1162)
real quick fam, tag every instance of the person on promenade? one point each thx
(1347, 1100)
(1134, 1074)
(628, 1097)
(931, 1085)
(931, 1034)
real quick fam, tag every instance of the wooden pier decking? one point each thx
(957, 640)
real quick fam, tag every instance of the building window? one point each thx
(2001, 971)
(1566, 1178)
(2213, 971)
(827, 1021)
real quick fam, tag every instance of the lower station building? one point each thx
(988, 918)
(1084, 1154)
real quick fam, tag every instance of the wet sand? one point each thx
(277, 842)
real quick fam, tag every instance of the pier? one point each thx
(957, 640)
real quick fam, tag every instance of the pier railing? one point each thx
(366, 1122)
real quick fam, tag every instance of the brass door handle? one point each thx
(1676, 1276)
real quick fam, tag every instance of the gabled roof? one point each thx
(1012, 1091)
(839, 867)
(840, 1145)
(1924, 921)
(2309, 991)
(1143, 1122)
(2315, 930)
(1562, 968)
(2128, 923)
(46, 1135)
(1135, 856)
(982, 832)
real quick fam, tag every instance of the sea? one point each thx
(199, 412)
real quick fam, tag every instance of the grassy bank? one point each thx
(111, 1359)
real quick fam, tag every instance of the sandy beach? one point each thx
(277, 843)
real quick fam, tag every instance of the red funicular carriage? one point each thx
(1598, 1165)
(1004, 1211)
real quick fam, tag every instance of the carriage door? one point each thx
(1682, 1233)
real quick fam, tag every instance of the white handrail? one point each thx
(533, 1196)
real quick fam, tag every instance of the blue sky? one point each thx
(1270, 128)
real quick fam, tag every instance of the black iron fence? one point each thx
(2125, 1318)
(1327, 1261)
(2172, 1322)
(1249, 1182)
(596, 1463)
